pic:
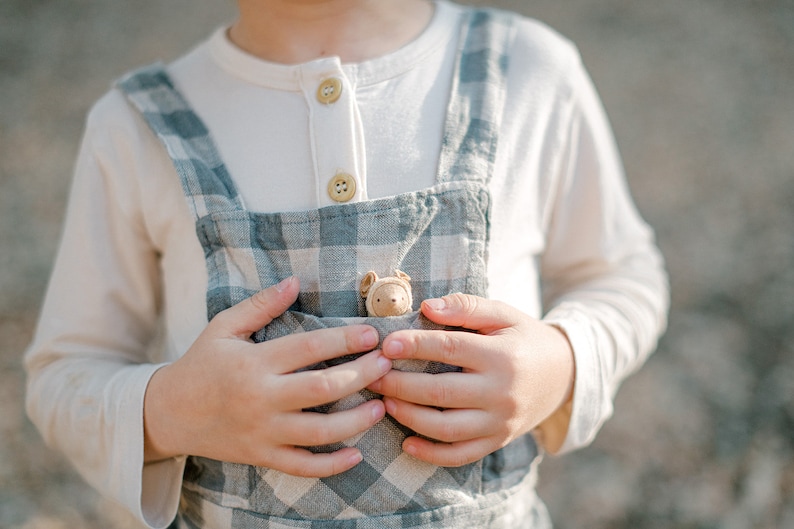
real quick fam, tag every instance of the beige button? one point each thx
(329, 90)
(342, 187)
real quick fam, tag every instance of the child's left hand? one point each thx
(517, 372)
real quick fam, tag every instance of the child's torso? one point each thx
(439, 235)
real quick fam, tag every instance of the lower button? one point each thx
(342, 187)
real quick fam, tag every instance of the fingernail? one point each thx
(390, 406)
(370, 338)
(282, 286)
(410, 448)
(355, 459)
(384, 364)
(393, 348)
(436, 304)
(377, 413)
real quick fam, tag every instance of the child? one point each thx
(270, 169)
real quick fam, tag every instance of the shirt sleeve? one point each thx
(604, 279)
(88, 365)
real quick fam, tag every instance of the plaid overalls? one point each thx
(438, 236)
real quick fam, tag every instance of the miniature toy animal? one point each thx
(387, 296)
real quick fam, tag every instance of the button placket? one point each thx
(336, 133)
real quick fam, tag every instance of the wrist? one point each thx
(553, 430)
(157, 434)
(551, 433)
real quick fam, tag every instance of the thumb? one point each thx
(251, 314)
(470, 312)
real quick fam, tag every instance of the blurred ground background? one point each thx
(701, 95)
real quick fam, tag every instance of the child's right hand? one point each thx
(232, 400)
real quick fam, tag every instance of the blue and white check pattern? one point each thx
(474, 111)
(204, 177)
(438, 236)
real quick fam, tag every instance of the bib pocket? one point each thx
(437, 236)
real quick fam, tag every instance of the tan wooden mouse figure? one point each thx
(387, 296)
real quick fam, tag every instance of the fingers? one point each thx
(471, 312)
(463, 436)
(303, 428)
(457, 348)
(443, 390)
(462, 349)
(447, 426)
(452, 454)
(300, 350)
(252, 314)
(313, 388)
(317, 429)
(303, 463)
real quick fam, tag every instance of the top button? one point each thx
(342, 187)
(329, 90)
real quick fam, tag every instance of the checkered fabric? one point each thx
(205, 180)
(473, 115)
(438, 236)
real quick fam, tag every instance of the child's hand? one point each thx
(517, 372)
(232, 400)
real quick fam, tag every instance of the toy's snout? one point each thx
(390, 299)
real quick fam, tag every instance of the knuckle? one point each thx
(448, 433)
(259, 460)
(319, 435)
(262, 303)
(297, 467)
(259, 300)
(337, 467)
(467, 303)
(254, 452)
(449, 348)
(351, 340)
(393, 385)
(320, 388)
(459, 460)
(302, 471)
(313, 344)
(438, 393)
(267, 458)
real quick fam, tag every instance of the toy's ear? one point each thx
(367, 282)
(402, 275)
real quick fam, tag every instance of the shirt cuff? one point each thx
(150, 491)
(161, 489)
(592, 401)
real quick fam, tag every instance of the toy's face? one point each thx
(389, 299)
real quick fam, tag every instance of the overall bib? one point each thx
(438, 236)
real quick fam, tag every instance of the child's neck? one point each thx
(297, 31)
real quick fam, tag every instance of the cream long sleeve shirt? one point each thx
(127, 292)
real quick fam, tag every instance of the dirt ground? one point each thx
(701, 95)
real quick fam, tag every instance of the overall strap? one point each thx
(205, 179)
(468, 151)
